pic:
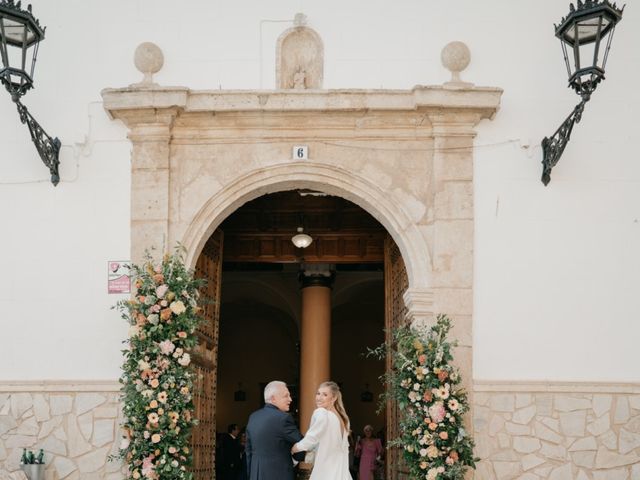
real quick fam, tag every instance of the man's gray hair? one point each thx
(271, 389)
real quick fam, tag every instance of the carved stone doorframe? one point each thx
(404, 156)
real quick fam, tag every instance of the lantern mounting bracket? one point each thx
(48, 148)
(553, 147)
(20, 30)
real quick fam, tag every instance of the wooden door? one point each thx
(205, 360)
(396, 283)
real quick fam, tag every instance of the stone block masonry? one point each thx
(557, 431)
(76, 424)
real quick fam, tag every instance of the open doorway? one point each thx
(260, 314)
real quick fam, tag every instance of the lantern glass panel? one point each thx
(587, 30)
(16, 32)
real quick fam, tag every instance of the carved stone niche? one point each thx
(299, 59)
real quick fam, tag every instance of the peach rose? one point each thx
(155, 438)
(443, 435)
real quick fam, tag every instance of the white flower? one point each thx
(124, 443)
(416, 386)
(142, 365)
(184, 360)
(177, 307)
(423, 452)
(134, 330)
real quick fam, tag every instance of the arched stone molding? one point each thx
(326, 178)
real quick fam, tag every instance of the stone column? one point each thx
(150, 186)
(452, 194)
(315, 342)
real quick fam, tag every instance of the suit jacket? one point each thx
(270, 436)
(230, 453)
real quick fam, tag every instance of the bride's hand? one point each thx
(295, 449)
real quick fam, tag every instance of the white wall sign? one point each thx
(300, 152)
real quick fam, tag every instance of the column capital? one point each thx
(419, 303)
(317, 275)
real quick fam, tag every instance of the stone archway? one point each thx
(405, 156)
(328, 179)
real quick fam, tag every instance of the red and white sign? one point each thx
(119, 277)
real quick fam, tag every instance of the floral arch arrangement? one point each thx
(157, 383)
(431, 403)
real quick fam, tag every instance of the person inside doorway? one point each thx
(369, 450)
(230, 454)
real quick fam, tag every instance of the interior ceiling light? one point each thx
(301, 239)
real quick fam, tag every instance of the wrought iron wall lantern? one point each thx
(20, 36)
(582, 32)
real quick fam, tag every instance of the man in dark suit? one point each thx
(230, 452)
(271, 433)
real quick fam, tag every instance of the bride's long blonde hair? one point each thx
(339, 406)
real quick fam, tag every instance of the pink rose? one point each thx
(162, 290)
(148, 466)
(437, 412)
(166, 347)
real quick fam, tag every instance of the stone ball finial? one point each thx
(455, 57)
(148, 59)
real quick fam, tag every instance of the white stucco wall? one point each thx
(557, 289)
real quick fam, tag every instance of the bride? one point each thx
(329, 435)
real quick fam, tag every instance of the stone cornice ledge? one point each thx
(41, 386)
(502, 386)
(483, 102)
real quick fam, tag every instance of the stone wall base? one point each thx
(526, 431)
(75, 423)
(557, 431)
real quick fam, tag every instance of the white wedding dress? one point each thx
(331, 446)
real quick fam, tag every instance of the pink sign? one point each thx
(119, 277)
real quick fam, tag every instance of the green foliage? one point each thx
(425, 386)
(157, 382)
(30, 458)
